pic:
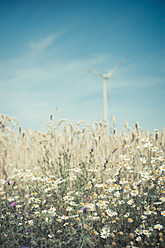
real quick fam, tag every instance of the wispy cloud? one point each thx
(42, 43)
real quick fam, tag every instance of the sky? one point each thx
(45, 44)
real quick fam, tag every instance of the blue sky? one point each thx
(45, 44)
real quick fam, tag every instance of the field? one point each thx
(81, 185)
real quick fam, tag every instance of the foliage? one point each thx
(59, 206)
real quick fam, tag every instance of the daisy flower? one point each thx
(105, 233)
(146, 232)
(110, 213)
(162, 168)
(145, 139)
(30, 222)
(143, 160)
(143, 217)
(47, 219)
(91, 206)
(63, 217)
(130, 202)
(69, 208)
(93, 170)
(138, 231)
(148, 144)
(147, 212)
(122, 156)
(134, 192)
(158, 227)
(126, 215)
(127, 166)
(50, 236)
(130, 220)
(117, 194)
(76, 169)
(163, 213)
(95, 217)
(138, 239)
(162, 199)
(52, 211)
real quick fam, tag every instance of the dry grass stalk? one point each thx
(22, 149)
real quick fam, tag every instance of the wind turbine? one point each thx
(105, 77)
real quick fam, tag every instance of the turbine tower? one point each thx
(105, 77)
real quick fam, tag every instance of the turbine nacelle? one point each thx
(105, 76)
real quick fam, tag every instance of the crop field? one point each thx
(81, 185)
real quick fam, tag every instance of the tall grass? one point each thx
(22, 149)
(81, 185)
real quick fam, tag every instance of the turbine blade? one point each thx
(94, 72)
(109, 74)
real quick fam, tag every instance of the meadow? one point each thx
(81, 185)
